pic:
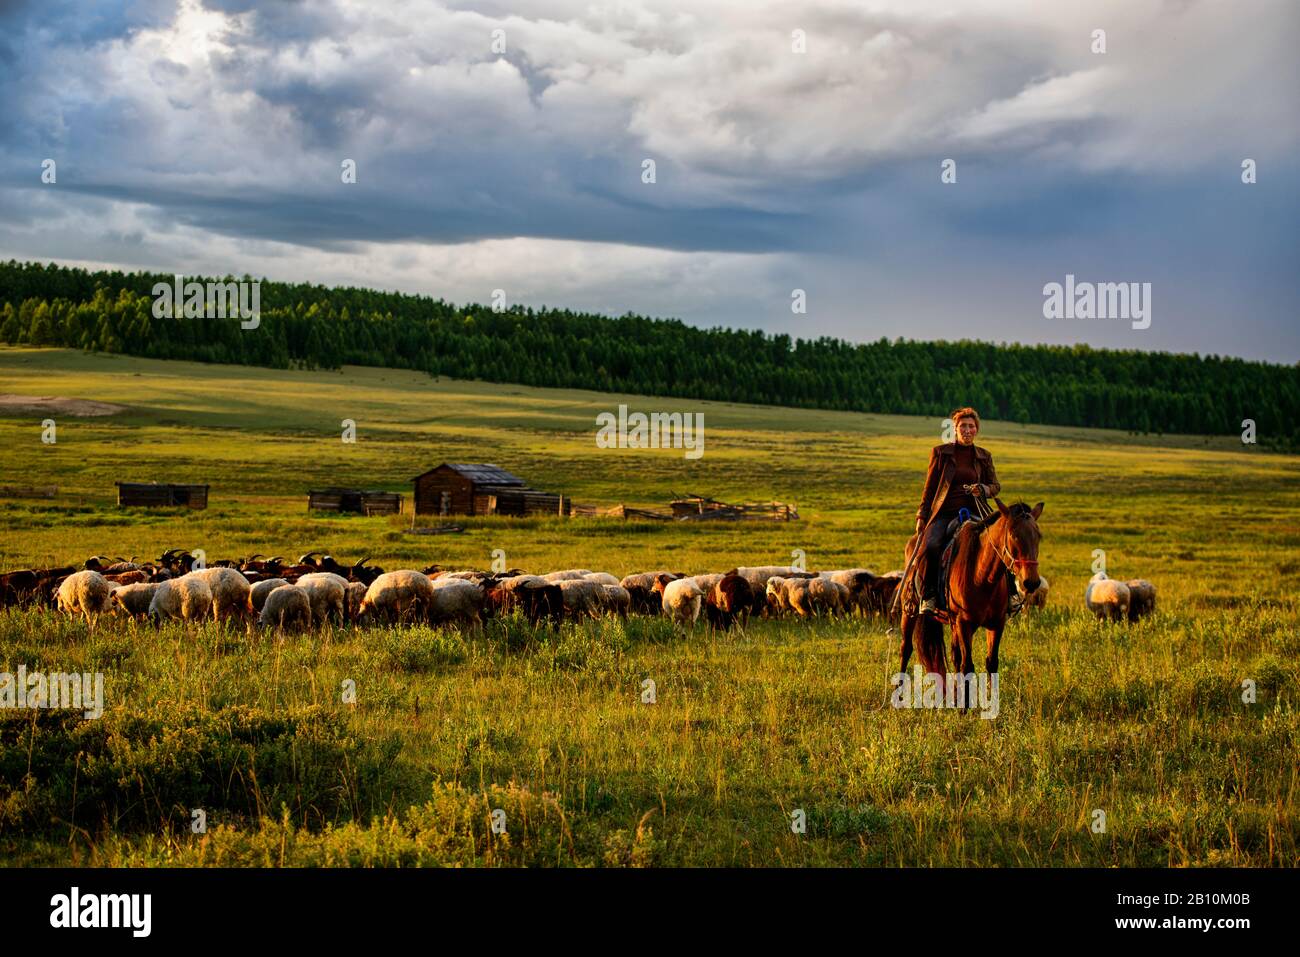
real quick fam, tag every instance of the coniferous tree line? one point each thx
(318, 327)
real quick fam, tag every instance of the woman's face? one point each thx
(966, 430)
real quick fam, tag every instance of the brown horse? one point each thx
(978, 589)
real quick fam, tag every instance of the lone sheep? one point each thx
(1107, 599)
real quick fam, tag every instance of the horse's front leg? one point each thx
(994, 640)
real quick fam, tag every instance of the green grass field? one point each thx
(1143, 722)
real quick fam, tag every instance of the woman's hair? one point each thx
(966, 413)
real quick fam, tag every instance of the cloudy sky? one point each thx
(208, 136)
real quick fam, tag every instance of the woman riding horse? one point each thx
(959, 473)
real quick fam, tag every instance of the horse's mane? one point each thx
(967, 544)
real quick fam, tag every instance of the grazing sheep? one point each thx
(396, 595)
(1142, 598)
(457, 601)
(352, 598)
(257, 595)
(829, 595)
(796, 595)
(85, 593)
(603, 578)
(231, 593)
(682, 599)
(188, 598)
(326, 592)
(582, 597)
(1106, 598)
(617, 599)
(568, 575)
(758, 575)
(641, 587)
(286, 608)
(729, 599)
(1036, 598)
(707, 581)
(133, 600)
(515, 582)
(858, 581)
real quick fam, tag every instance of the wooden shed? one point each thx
(365, 501)
(474, 488)
(162, 495)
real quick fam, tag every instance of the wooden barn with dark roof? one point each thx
(476, 488)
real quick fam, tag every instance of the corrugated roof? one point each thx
(481, 473)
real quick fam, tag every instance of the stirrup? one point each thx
(928, 607)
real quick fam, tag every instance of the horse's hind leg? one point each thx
(963, 632)
(905, 651)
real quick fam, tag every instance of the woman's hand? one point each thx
(979, 491)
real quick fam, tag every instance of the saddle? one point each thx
(1015, 602)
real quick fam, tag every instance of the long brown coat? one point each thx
(939, 477)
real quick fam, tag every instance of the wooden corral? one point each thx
(703, 508)
(162, 495)
(364, 501)
(29, 491)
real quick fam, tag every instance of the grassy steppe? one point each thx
(1145, 722)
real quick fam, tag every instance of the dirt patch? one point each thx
(12, 404)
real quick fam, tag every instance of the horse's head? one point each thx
(1020, 542)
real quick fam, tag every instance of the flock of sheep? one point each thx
(316, 590)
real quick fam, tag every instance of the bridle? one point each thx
(1009, 561)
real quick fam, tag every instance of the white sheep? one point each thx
(682, 600)
(188, 598)
(603, 578)
(87, 593)
(395, 595)
(617, 599)
(774, 588)
(582, 597)
(1107, 598)
(828, 594)
(133, 600)
(257, 595)
(758, 575)
(326, 592)
(353, 595)
(858, 583)
(568, 575)
(231, 592)
(286, 607)
(457, 601)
